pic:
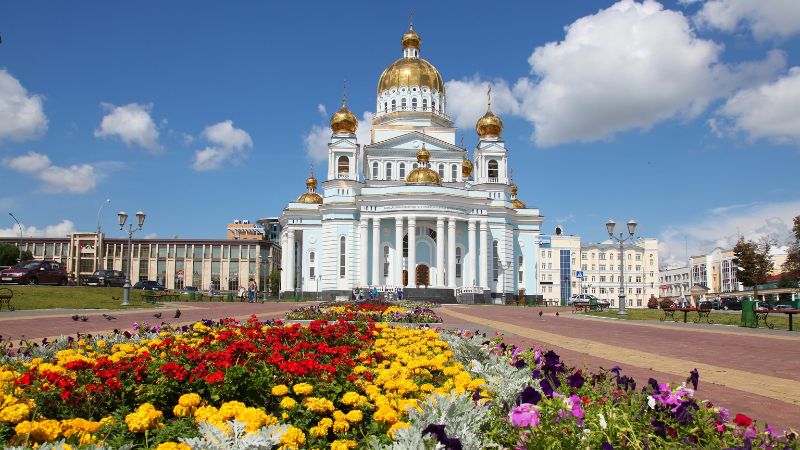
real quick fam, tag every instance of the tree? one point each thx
(792, 264)
(274, 283)
(9, 255)
(753, 262)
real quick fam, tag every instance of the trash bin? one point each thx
(748, 316)
(230, 296)
(191, 296)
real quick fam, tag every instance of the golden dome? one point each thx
(310, 197)
(466, 167)
(518, 204)
(423, 174)
(311, 182)
(344, 121)
(411, 72)
(514, 190)
(489, 125)
(411, 38)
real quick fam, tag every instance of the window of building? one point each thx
(403, 104)
(388, 171)
(602, 267)
(416, 165)
(342, 257)
(215, 274)
(343, 164)
(414, 104)
(197, 274)
(375, 171)
(441, 171)
(402, 171)
(453, 172)
(233, 275)
(520, 267)
(458, 262)
(495, 261)
(602, 256)
(386, 261)
(494, 171)
(385, 107)
(312, 266)
(583, 255)
(602, 278)
(424, 104)
(144, 269)
(394, 105)
(180, 252)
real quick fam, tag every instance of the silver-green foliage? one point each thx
(214, 438)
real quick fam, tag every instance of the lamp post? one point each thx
(108, 200)
(621, 239)
(19, 246)
(122, 217)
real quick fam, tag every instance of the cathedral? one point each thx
(410, 209)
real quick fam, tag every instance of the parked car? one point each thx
(35, 272)
(764, 305)
(187, 289)
(783, 307)
(149, 285)
(733, 303)
(579, 298)
(106, 278)
(711, 304)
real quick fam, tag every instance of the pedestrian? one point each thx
(241, 293)
(399, 293)
(374, 293)
(252, 290)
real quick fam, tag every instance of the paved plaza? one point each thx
(749, 371)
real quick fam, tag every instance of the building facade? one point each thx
(675, 282)
(418, 212)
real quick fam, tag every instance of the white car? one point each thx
(580, 298)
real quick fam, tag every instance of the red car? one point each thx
(35, 272)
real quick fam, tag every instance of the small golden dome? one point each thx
(423, 174)
(344, 121)
(489, 125)
(411, 38)
(310, 197)
(518, 204)
(466, 167)
(513, 189)
(311, 182)
(423, 155)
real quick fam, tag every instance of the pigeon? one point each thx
(177, 313)
(540, 313)
(157, 315)
(114, 298)
(109, 317)
(75, 317)
(556, 313)
(84, 318)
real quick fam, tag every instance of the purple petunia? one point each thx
(524, 415)
(576, 380)
(530, 395)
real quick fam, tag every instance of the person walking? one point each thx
(252, 291)
(241, 293)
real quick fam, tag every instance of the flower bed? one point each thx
(341, 386)
(374, 310)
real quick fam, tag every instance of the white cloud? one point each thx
(230, 144)
(58, 230)
(466, 100)
(77, 178)
(769, 111)
(21, 115)
(131, 123)
(722, 227)
(316, 140)
(765, 18)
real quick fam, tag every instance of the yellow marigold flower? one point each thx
(340, 426)
(343, 444)
(15, 413)
(318, 404)
(204, 413)
(354, 416)
(280, 390)
(303, 389)
(229, 410)
(396, 427)
(293, 439)
(189, 400)
(101, 344)
(288, 403)
(146, 417)
(338, 415)
(386, 414)
(181, 411)
(41, 431)
(173, 446)
(318, 432)
(351, 398)
(285, 416)
(325, 422)
(254, 418)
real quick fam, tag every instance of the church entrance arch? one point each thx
(423, 275)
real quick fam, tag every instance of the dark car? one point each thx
(35, 272)
(106, 278)
(711, 304)
(187, 289)
(731, 303)
(148, 285)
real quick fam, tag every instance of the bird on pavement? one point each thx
(75, 317)
(556, 313)
(177, 313)
(84, 318)
(108, 317)
(540, 313)
(157, 315)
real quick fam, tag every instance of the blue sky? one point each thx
(682, 115)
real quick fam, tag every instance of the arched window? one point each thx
(343, 164)
(458, 262)
(495, 261)
(402, 171)
(494, 172)
(414, 104)
(385, 107)
(454, 173)
(342, 257)
(375, 171)
(520, 266)
(441, 170)
(416, 165)
(386, 261)
(394, 104)
(424, 104)
(388, 171)
(312, 269)
(403, 104)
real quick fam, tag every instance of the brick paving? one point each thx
(738, 355)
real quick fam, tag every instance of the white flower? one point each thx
(603, 423)
(651, 402)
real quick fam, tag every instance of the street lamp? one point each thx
(621, 239)
(20, 237)
(108, 200)
(122, 217)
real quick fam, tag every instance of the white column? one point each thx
(440, 251)
(376, 251)
(291, 263)
(284, 255)
(363, 251)
(451, 252)
(483, 265)
(412, 251)
(398, 251)
(471, 278)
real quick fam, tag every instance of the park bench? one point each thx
(153, 296)
(762, 314)
(702, 313)
(6, 295)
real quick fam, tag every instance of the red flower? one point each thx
(742, 420)
(174, 371)
(216, 377)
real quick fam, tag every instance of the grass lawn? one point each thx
(781, 321)
(71, 297)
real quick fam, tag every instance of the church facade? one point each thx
(410, 208)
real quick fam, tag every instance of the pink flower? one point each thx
(524, 415)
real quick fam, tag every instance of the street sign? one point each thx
(180, 273)
(579, 274)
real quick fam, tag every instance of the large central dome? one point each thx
(411, 72)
